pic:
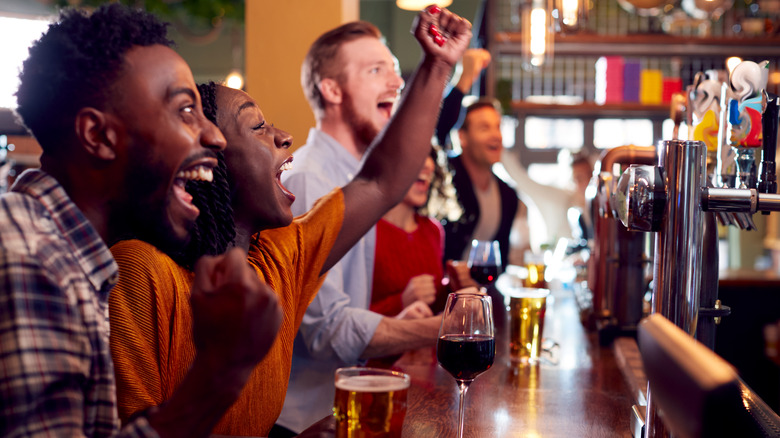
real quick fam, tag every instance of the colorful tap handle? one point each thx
(734, 112)
(726, 164)
(768, 180)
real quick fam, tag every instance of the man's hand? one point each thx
(473, 62)
(442, 34)
(419, 288)
(235, 316)
(416, 310)
(459, 274)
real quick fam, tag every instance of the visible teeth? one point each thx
(205, 174)
(286, 166)
(199, 173)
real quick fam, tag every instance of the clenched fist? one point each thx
(235, 316)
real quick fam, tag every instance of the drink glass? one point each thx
(370, 402)
(484, 261)
(535, 265)
(466, 346)
(527, 307)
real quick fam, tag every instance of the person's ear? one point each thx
(331, 91)
(462, 137)
(96, 134)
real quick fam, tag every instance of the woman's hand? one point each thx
(442, 34)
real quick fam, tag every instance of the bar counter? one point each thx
(584, 394)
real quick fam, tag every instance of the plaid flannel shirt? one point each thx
(56, 374)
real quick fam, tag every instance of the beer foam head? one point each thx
(526, 292)
(372, 383)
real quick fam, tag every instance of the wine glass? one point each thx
(484, 261)
(466, 345)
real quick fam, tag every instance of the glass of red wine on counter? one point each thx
(484, 261)
(466, 345)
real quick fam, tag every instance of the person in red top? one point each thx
(408, 275)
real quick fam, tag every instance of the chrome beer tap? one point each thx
(616, 278)
(767, 182)
(671, 199)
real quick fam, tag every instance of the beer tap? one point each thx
(726, 166)
(707, 97)
(747, 80)
(671, 199)
(616, 278)
(767, 183)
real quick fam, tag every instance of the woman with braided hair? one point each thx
(151, 336)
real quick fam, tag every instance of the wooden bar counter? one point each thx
(584, 394)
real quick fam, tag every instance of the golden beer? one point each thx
(526, 315)
(370, 403)
(535, 276)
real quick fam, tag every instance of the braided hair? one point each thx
(215, 228)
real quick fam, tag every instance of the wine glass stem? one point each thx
(463, 385)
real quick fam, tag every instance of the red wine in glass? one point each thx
(466, 346)
(466, 356)
(484, 261)
(484, 274)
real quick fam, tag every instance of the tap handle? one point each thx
(768, 179)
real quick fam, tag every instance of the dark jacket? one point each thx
(457, 235)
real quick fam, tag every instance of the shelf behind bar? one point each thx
(625, 110)
(647, 45)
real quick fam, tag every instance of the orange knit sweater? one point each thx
(151, 322)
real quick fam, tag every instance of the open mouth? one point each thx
(422, 184)
(386, 107)
(200, 171)
(286, 165)
(424, 178)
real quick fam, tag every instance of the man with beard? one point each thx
(349, 77)
(119, 119)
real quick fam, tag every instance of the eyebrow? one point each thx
(183, 90)
(245, 105)
(375, 62)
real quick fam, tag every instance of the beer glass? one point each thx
(370, 402)
(466, 346)
(535, 265)
(527, 307)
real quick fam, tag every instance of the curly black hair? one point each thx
(215, 228)
(442, 198)
(75, 65)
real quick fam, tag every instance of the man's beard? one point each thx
(363, 129)
(143, 214)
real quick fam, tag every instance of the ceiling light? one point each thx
(235, 80)
(418, 5)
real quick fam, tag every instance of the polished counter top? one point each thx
(580, 393)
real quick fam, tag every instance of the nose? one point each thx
(396, 82)
(282, 139)
(496, 133)
(211, 137)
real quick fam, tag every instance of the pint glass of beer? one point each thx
(370, 402)
(536, 267)
(527, 307)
